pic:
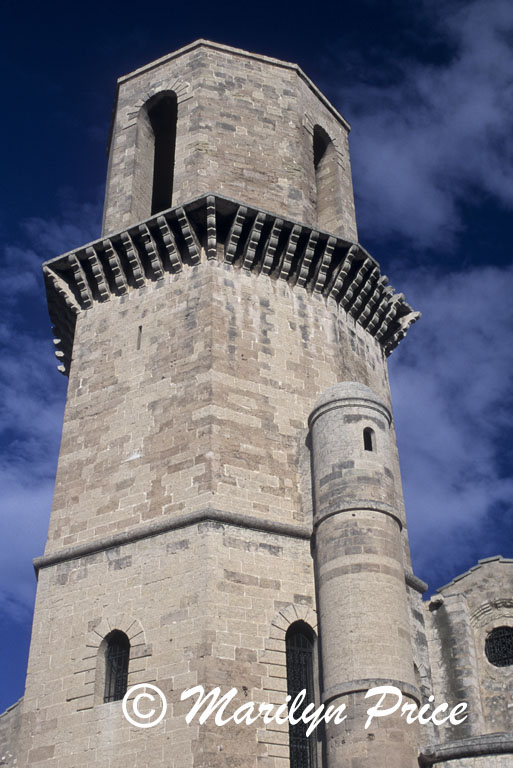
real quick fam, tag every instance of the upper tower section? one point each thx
(210, 118)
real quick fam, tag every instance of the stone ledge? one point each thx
(474, 746)
(223, 517)
(360, 505)
(12, 707)
(480, 563)
(217, 228)
(361, 686)
(228, 49)
(294, 530)
(415, 583)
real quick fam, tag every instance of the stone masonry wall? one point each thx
(191, 394)
(470, 607)
(10, 722)
(205, 604)
(213, 405)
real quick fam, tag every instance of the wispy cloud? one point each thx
(429, 142)
(452, 384)
(439, 134)
(31, 399)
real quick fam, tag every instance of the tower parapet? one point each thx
(219, 119)
(240, 236)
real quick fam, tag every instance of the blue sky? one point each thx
(428, 90)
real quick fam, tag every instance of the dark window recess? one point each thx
(499, 647)
(117, 654)
(162, 112)
(299, 645)
(326, 179)
(139, 336)
(321, 141)
(368, 439)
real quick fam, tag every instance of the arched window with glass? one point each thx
(299, 642)
(499, 647)
(117, 655)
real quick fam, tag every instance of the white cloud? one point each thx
(31, 399)
(440, 135)
(426, 148)
(452, 385)
(31, 406)
(77, 224)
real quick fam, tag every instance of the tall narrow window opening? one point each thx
(369, 439)
(162, 114)
(117, 655)
(326, 186)
(299, 646)
(154, 161)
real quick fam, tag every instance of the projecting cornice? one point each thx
(214, 227)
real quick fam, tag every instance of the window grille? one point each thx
(299, 644)
(116, 666)
(499, 647)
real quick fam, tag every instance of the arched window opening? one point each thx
(325, 165)
(369, 440)
(154, 163)
(499, 647)
(300, 646)
(162, 113)
(117, 654)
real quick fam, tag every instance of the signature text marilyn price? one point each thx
(390, 701)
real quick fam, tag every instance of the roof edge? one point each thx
(202, 43)
(480, 563)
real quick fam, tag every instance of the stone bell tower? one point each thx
(228, 469)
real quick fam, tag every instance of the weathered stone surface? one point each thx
(458, 623)
(10, 722)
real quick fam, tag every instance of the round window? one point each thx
(499, 646)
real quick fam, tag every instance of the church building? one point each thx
(228, 510)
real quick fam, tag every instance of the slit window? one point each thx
(326, 186)
(300, 647)
(369, 440)
(117, 655)
(162, 114)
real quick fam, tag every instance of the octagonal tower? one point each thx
(225, 295)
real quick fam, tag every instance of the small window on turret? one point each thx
(499, 647)
(369, 439)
